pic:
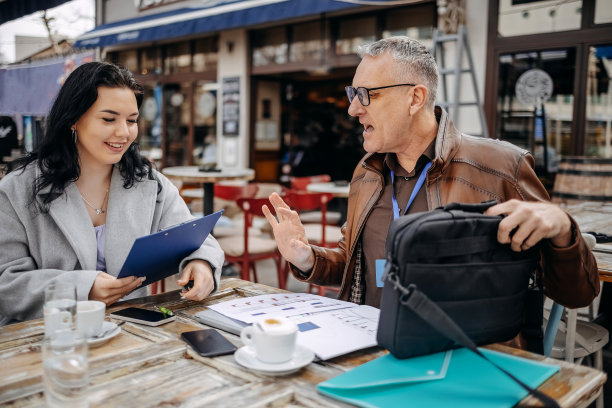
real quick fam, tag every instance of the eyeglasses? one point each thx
(364, 93)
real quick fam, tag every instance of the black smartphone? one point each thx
(142, 316)
(208, 342)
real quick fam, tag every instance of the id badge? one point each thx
(380, 271)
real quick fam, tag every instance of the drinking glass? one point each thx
(65, 369)
(60, 307)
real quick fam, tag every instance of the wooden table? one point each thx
(191, 174)
(331, 187)
(596, 217)
(151, 366)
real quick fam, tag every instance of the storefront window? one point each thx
(206, 54)
(151, 61)
(521, 17)
(150, 123)
(354, 32)
(414, 22)
(603, 11)
(178, 58)
(598, 132)
(307, 42)
(176, 104)
(205, 123)
(554, 83)
(270, 47)
(128, 59)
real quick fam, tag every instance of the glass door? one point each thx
(177, 114)
(524, 79)
(598, 132)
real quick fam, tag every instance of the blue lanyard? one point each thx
(415, 190)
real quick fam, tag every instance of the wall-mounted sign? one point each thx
(231, 106)
(533, 87)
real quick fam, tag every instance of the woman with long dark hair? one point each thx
(72, 208)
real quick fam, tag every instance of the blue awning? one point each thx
(31, 88)
(227, 15)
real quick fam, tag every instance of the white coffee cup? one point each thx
(90, 317)
(273, 339)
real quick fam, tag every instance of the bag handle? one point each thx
(477, 208)
(430, 312)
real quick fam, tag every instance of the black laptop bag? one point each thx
(451, 256)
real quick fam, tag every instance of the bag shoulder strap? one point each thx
(430, 312)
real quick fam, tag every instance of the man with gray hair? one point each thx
(416, 161)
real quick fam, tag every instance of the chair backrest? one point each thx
(300, 183)
(251, 207)
(309, 201)
(230, 192)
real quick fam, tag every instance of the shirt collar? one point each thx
(428, 155)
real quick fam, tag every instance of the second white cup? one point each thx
(273, 339)
(90, 317)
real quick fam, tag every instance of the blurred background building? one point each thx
(260, 83)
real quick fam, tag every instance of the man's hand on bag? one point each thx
(527, 223)
(289, 234)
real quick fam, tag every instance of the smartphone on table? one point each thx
(208, 342)
(142, 316)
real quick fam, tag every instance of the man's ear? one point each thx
(419, 97)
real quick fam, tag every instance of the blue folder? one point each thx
(158, 255)
(455, 378)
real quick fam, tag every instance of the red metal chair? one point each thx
(247, 249)
(319, 234)
(232, 192)
(300, 183)
(226, 192)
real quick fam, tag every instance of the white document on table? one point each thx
(328, 327)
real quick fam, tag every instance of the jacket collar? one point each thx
(129, 216)
(448, 140)
(70, 214)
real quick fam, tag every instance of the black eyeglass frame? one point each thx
(350, 89)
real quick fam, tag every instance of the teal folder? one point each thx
(455, 378)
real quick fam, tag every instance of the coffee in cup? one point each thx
(90, 317)
(273, 339)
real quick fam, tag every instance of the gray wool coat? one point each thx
(39, 248)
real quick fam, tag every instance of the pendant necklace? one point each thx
(97, 210)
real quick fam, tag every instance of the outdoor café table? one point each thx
(191, 174)
(341, 191)
(594, 216)
(147, 366)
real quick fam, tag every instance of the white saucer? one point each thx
(98, 341)
(245, 356)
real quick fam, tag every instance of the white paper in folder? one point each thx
(328, 327)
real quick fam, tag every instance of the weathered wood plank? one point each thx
(151, 366)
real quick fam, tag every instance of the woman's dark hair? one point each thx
(57, 155)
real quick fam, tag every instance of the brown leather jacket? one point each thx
(470, 170)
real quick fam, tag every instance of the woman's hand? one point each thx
(108, 289)
(201, 274)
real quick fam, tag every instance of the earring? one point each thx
(74, 135)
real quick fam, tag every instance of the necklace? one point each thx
(97, 210)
